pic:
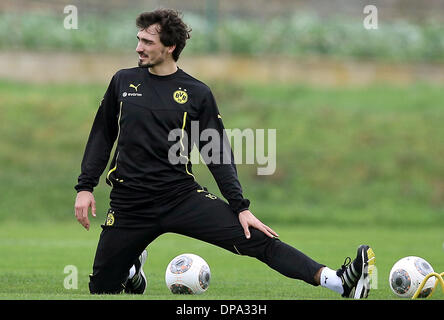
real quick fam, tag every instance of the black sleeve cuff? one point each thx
(83, 188)
(239, 205)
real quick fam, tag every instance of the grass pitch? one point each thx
(354, 165)
(34, 258)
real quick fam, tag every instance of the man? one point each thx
(151, 195)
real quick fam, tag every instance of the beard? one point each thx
(152, 64)
(146, 64)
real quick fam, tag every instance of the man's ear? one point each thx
(171, 48)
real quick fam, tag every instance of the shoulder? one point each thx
(198, 85)
(124, 77)
(128, 73)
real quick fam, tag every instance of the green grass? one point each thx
(294, 34)
(354, 165)
(34, 257)
(369, 155)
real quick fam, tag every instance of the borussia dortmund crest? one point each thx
(180, 96)
(109, 219)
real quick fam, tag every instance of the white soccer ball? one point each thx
(188, 274)
(407, 274)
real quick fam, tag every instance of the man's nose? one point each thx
(139, 48)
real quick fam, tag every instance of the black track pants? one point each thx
(199, 215)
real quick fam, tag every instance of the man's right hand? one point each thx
(84, 200)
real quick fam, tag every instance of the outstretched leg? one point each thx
(210, 219)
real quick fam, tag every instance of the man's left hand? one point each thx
(247, 219)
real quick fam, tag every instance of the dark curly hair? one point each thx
(173, 31)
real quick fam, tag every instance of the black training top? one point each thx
(151, 117)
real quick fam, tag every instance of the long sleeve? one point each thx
(100, 142)
(218, 154)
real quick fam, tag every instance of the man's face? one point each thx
(151, 51)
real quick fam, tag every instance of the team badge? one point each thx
(109, 219)
(180, 96)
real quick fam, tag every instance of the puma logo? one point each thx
(135, 87)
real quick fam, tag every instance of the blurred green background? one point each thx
(358, 113)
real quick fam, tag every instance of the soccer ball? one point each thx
(188, 274)
(407, 274)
